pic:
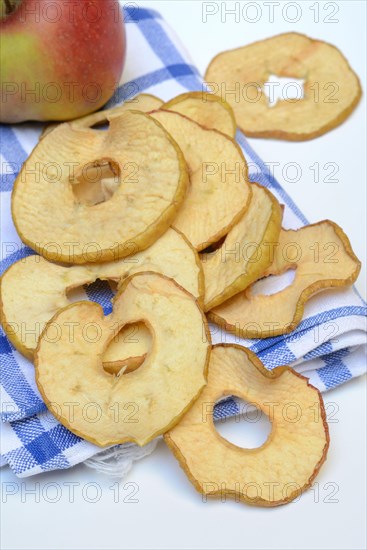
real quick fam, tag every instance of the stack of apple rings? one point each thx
(161, 205)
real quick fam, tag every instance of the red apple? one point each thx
(60, 59)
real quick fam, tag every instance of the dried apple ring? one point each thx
(323, 258)
(32, 290)
(208, 110)
(219, 190)
(246, 252)
(51, 197)
(331, 88)
(142, 102)
(142, 404)
(285, 465)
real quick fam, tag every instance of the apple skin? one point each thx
(70, 53)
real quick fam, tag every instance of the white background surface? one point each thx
(169, 513)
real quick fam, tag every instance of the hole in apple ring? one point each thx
(273, 283)
(249, 429)
(128, 349)
(282, 88)
(101, 125)
(96, 182)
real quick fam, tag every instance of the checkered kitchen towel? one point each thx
(328, 346)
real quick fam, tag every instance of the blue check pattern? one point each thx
(32, 440)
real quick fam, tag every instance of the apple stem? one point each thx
(8, 7)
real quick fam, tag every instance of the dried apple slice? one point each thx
(219, 190)
(50, 201)
(208, 110)
(143, 404)
(247, 250)
(331, 88)
(142, 102)
(32, 290)
(323, 258)
(285, 465)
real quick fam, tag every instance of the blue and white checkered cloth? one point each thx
(328, 346)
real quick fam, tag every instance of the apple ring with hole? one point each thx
(246, 251)
(142, 404)
(208, 110)
(331, 88)
(285, 465)
(219, 191)
(322, 258)
(61, 209)
(32, 290)
(142, 102)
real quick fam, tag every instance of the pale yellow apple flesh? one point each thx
(285, 465)
(246, 251)
(208, 110)
(331, 88)
(32, 290)
(152, 177)
(219, 191)
(323, 258)
(142, 404)
(142, 102)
